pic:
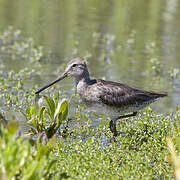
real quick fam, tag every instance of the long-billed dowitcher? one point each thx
(111, 98)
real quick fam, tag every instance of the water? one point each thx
(117, 36)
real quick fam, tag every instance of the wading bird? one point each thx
(114, 99)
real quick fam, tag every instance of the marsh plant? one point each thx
(23, 159)
(48, 117)
(141, 151)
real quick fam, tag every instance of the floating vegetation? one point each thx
(15, 46)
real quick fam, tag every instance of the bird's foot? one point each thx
(113, 129)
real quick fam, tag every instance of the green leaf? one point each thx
(12, 127)
(61, 112)
(49, 167)
(32, 111)
(32, 121)
(51, 105)
(52, 141)
(40, 113)
(57, 97)
(42, 151)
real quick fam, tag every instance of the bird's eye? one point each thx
(74, 65)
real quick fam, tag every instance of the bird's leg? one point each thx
(112, 124)
(128, 115)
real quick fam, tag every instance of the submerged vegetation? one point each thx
(37, 141)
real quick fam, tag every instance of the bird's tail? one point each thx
(159, 94)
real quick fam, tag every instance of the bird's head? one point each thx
(75, 68)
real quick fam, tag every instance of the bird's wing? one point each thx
(117, 94)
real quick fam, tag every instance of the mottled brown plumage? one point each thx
(112, 98)
(117, 94)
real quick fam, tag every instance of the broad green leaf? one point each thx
(61, 112)
(52, 141)
(12, 127)
(42, 151)
(51, 105)
(64, 109)
(57, 110)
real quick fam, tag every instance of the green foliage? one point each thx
(15, 46)
(49, 116)
(139, 152)
(23, 159)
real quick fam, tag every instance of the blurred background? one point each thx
(135, 42)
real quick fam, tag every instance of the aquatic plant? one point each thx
(23, 159)
(47, 118)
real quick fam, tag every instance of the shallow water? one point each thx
(120, 39)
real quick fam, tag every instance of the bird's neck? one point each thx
(83, 78)
(82, 82)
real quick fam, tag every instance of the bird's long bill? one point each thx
(50, 84)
